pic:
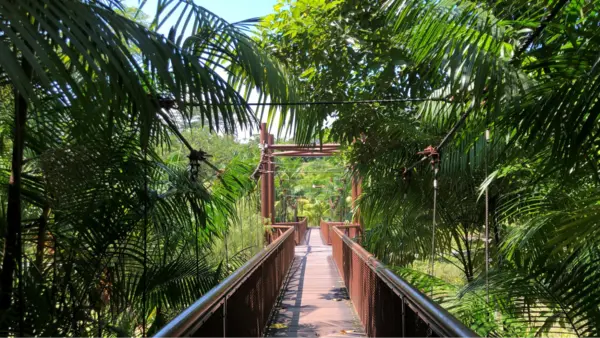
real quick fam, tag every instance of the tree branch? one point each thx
(539, 30)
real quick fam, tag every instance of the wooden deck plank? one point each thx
(315, 302)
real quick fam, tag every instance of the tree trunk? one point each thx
(284, 208)
(469, 266)
(296, 211)
(41, 240)
(12, 246)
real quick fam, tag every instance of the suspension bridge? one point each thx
(312, 282)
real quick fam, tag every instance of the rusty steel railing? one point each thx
(241, 304)
(386, 304)
(351, 229)
(300, 228)
(272, 233)
(324, 226)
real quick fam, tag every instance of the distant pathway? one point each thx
(315, 302)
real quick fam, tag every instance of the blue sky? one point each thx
(238, 10)
(230, 10)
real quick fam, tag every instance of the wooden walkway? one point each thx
(315, 302)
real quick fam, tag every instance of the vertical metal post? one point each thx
(403, 317)
(356, 192)
(225, 317)
(433, 226)
(487, 221)
(354, 197)
(271, 181)
(264, 180)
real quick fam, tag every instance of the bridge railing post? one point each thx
(378, 295)
(300, 229)
(241, 304)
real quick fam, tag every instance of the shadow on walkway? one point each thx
(314, 302)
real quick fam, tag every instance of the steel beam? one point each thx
(305, 147)
(306, 153)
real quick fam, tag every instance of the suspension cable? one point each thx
(487, 224)
(20, 284)
(433, 226)
(145, 244)
(322, 103)
(196, 221)
(240, 210)
(226, 251)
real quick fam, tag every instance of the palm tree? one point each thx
(526, 71)
(90, 95)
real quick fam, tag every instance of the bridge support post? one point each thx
(356, 192)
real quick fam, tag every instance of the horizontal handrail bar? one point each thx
(326, 232)
(303, 146)
(432, 313)
(299, 226)
(189, 320)
(290, 223)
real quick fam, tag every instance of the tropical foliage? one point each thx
(316, 188)
(473, 124)
(107, 227)
(524, 72)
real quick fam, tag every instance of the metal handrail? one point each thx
(325, 227)
(300, 232)
(300, 220)
(431, 312)
(190, 319)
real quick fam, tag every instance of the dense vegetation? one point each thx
(525, 71)
(125, 200)
(316, 188)
(118, 207)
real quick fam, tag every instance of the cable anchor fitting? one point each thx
(433, 154)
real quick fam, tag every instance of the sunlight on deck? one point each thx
(315, 302)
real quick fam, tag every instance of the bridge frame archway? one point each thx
(270, 150)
